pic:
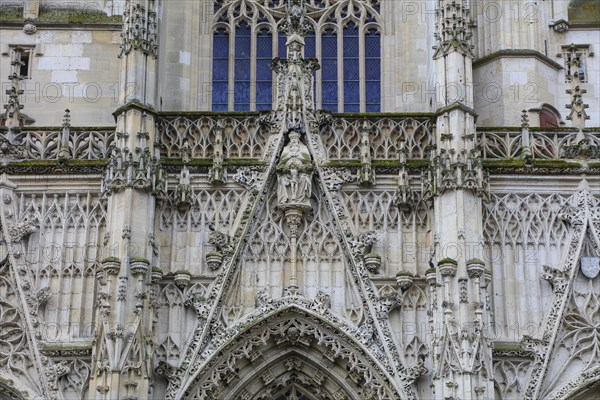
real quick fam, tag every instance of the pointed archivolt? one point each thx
(583, 214)
(290, 342)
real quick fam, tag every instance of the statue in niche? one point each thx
(294, 174)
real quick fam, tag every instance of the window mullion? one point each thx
(319, 74)
(361, 68)
(340, 70)
(231, 65)
(253, 33)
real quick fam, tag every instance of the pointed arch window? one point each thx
(220, 70)
(345, 39)
(329, 67)
(351, 69)
(241, 86)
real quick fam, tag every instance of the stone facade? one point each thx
(446, 248)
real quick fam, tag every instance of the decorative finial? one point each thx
(67, 119)
(12, 116)
(524, 119)
(295, 21)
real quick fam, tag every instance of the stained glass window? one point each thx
(241, 85)
(349, 50)
(373, 71)
(264, 75)
(351, 69)
(329, 79)
(220, 70)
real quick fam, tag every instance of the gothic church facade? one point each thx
(300, 199)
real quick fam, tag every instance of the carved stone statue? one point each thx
(184, 193)
(294, 174)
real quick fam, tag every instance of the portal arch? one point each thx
(289, 347)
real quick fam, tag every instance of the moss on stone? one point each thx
(56, 163)
(499, 128)
(383, 115)
(208, 113)
(183, 272)
(555, 164)
(430, 271)
(372, 255)
(110, 259)
(9, 13)
(233, 162)
(51, 347)
(562, 129)
(76, 16)
(140, 259)
(447, 260)
(593, 165)
(584, 12)
(504, 163)
(72, 128)
(376, 163)
(208, 162)
(475, 261)
(507, 346)
(405, 273)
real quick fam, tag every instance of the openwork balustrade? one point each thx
(553, 144)
(387, 136)
(243, 135)
(83, 143)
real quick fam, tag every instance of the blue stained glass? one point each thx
(241, 93)
(351, 92)
(372, 69)
(330, 90)
(242, 70)
(220, 70)
(309, 45)
(373, 92)
(264, 96)
(329, 70)
(372, 44)
(352, 107)
(221, 45)
(219, 94)
(282, 50)
(264, 75)
(263, 70)
(351, 69)
(263, 44)
(350, 42)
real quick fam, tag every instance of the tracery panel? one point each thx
(183, 234)
(65, 252)
(521, 234)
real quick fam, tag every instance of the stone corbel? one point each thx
(557, 278)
